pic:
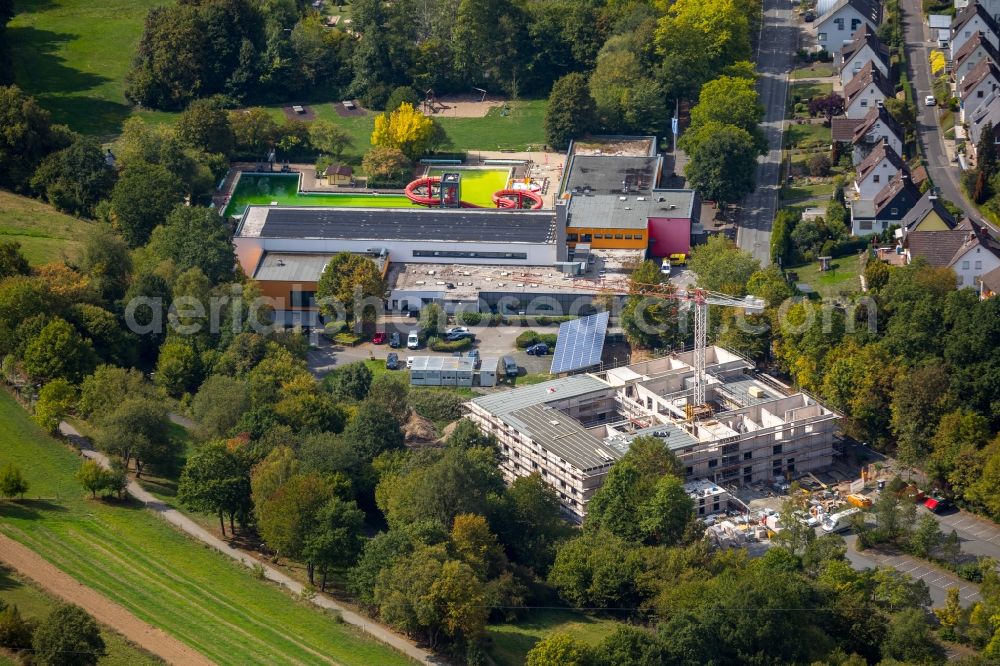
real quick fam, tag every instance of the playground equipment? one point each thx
(445, 192)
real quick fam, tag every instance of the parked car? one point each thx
(379, 338)
(458, 333)
(665, 266)
(392, 361)
(539, 349)
(474, 355)
(412, 314)
(455, 330)
(413, 340)
(678, 259)
(930, 100)
(409, 362)
(810, 17)
(510, 366)
(394, 340)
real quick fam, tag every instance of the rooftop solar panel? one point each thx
(580, 343)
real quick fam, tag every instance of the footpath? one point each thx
(179, 520)
(30, 564)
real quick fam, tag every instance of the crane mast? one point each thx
(700, 299)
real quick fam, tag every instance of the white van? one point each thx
(413, 340)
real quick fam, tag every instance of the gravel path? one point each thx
(31, 565)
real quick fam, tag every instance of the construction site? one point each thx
(725, 421)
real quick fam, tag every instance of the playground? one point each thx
(460, 106)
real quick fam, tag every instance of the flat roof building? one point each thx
(572, 430)
(418, 235)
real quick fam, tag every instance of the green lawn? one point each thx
(73, 55)
(511, 642)
(45, 234)
(35, 604)
(807, 135)
(828, 284)
(805, 91)
(802, 191)
(165, 578)
(814, 70)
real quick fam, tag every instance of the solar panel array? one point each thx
(580, 343)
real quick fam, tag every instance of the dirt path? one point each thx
(181, 521)
(29, 564)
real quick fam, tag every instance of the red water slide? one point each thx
(517, 199)
(426, 192)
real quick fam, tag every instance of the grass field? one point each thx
(814, 70)
(35, 604)
(843, 276)
(511, 642)
(45, 234)
(73, 55)
(163, 577)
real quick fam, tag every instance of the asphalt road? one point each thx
(775, 56)
(943, 172)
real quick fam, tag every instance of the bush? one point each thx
(819, 165)
(470, 318)
(436, 404)
(348, 339)
(530, 337)
(446, 346)
(848, 247)
(15, 630)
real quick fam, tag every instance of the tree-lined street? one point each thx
(775, 54)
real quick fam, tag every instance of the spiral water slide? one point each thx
(426, 192)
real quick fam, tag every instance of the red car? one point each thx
(379, 338)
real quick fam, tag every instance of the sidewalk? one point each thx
(178, 519)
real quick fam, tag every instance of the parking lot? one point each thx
(490, 341)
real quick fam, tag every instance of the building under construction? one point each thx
(750, 428)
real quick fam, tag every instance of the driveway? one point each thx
(779, 38)
(942, 171)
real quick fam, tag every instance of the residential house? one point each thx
(974, 51)
(972, 20)
(865, 48)
(928, 214)
(877, 127)
(889, 207)
(989, 284)
(837, 26)
(968, 249)
(875, 172)
(987, 115)
(339, 174)
(992, 8)
(977, 86)
(867, 90)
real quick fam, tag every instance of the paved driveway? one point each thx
(775, 55)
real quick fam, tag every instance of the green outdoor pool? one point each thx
(478, 186)
(255, 188)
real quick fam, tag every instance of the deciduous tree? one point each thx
(216, 480)
(69, 636)
(55, 401)
(12, 482)
(571, 113)
(59, 352)
(405, 129)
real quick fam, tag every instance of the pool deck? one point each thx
(543, 166)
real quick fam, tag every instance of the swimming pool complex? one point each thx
(478, 186)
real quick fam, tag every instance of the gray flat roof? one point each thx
(605, 174)
(620, 211)
(525, 410)
(297, 266)
(458, 224)
(673, 436)
(566, 437)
